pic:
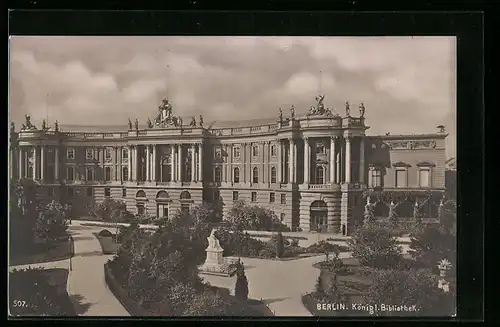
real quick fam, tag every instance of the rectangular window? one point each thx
(236, 152)
(70, 154)
(235, 195)
(124, 192)
(107, 192)
(107, 154)
(283, 198)
(90, 174)
(70, 173)
(107, 173)
(50, 191)
(89, 154)
(124, 174)
(70, 192)
(271, 197)
(124, 153)
(424, 177)
(273, 150)
(254, 196)
(140, 209)
(185, 207)
(400, 178)
(282, 217)
(89, 191)
(255, 151)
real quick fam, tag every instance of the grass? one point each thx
(43, 252)
(108, 244)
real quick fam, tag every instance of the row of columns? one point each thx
(23, 160)
(335, 161)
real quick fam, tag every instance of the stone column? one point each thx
(153, 166)
(362, 160)
(332, 159)
(21, 162)
(42, 163)
(291, 163)
(193, 163)
(280, 162)
(148, 164)
(200, 162)
(243, 156)
(56, 163)
(129, 162)
(179, 163)
(137, 164)
(307, 160)
(34, 163)
(348, 160)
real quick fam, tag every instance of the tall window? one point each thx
(125, 174)
(124, 153)
(282, 217)
(283, 198)
(107, 173)
(271, 197)
(166, 170)
(255, 175)
(273, 175)
(273, 150)
(235, 195)
(71, 192)
(236, 152)
(70, 153)
(90, 174)
(400, 178)
(89, 154)
(70, 173)
(254, 196)
(217, 175)
(320, 175)
(236, 175)
(140, 209)
(124, 192)
(424, 177)
(255, 150)
(107, 154)
(90, 191)
(376, 177)
(107, 192)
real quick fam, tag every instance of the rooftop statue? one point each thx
(12, 127)
(27, 124)
(361, 110)
(201, 120)
(280, 115)
(292, 112)
(347, 109)
(129, 124)
(165, 118)
(150, 124)
(193, 122)
(319, 109)
(136, 124)
(56, 126)
(44, 125)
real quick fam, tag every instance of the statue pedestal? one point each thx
(214, 260)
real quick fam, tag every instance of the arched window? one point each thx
(140, 194)
(236, 175)
(217, 175)
(320, 175)
(162, 195)
(273, 175)
(107, 173)
(185, 195)
(255, 175)
(166, 170)
(124, 174)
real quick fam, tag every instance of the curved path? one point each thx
(86, 285)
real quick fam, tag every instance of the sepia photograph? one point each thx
(244, 176)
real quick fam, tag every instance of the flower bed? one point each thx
(44, 252)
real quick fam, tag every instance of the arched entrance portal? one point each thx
(319, 213)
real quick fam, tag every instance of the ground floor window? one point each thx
(50, 191)
(140, 209)
(185, 207)
(162, 211)
(107, 192)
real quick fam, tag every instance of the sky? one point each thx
(407, 84)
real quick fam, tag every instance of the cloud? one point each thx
(407, 84)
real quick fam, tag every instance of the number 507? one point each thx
(19, 304)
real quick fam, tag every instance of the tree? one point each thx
(413, 287)
(280, 246)
(22, 214)
(246, 217)
(111, 210)
(241, 287)
(52, 222)
(375, 247)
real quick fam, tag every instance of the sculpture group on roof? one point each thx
(319, 109)
(27, 126)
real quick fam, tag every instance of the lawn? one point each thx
(40, 292)
(43, 252)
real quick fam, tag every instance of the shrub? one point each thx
(280, 247)
(432, 245)
(105, 233)
(111, 210)
(40, 298)
(325, 247)
(414, 287)
(375, 247)
(294, 242)
(245, 217)
(51, 223)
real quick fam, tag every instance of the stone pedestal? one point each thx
(215, 260)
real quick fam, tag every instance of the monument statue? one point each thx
(347, 109)
(213, 242)
(56, 126)
(292, 112)
(44, 124)
(415, 209)
(150, 124)
(201, 120)
(193, 122)
(165, 109)
(129, 124)
(179, 122)
(361, 110)
(320, 106)
(136, 124)
(12, 127)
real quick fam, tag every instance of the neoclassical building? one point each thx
(311, 170)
